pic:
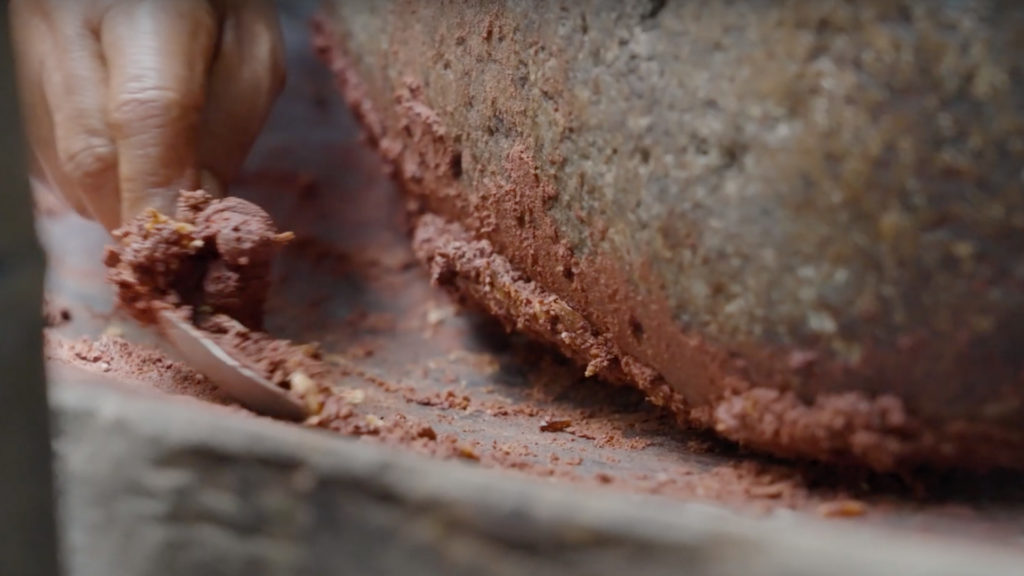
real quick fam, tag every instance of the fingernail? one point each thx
(161, 200)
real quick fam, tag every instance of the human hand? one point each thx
(127, 102)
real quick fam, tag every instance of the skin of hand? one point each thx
(127, 102)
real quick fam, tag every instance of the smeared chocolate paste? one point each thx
(213, 255)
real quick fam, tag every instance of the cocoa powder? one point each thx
(132, 363)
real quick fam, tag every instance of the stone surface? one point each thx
(818, 198)
(158, 486)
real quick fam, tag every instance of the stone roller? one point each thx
(798, 224)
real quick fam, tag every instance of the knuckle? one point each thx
(147, 106)
(88, 158)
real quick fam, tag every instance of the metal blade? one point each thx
(241, 383)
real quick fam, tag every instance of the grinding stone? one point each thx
(800, 224)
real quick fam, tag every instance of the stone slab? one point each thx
(157, 486)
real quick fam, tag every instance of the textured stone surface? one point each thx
(823, 198)
(159, 486)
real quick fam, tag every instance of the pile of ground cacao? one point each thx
(213, 255)
(211, 264)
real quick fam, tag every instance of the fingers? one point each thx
(34, 55)
(123, 107)
(157, 56)
(246, 79)
(85, 148)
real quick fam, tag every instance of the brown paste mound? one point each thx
(215, 254)
(212, 264)
(299, 368)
